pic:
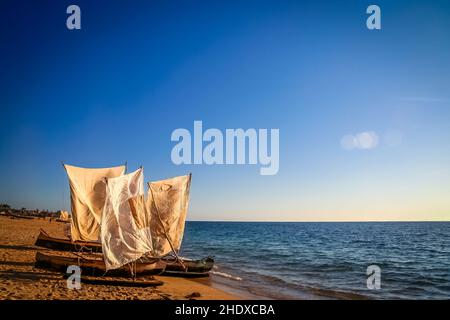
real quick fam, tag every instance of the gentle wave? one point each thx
(226, 275)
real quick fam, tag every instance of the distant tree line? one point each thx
(6, 209)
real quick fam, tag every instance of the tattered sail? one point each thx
(125, 229)
(87, 195)
(167, 203)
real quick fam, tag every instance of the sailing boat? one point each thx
(100, 211)
(63, 216)
(167, 204)
(110, 215)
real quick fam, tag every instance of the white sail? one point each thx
(125, 230)
(63, 215)
(87, 195)
(167, 203)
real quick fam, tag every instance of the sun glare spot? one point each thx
(367, 140)
(363, 140)
(348, 142)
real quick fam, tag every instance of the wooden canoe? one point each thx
(185, 274)
(96, 267)
(196, 267)
(44, 240)
(64, 221)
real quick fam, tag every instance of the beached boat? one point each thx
(46, 241)
(196, 267)
(96, 267)
(64, 221)
(147, 226)
(184, 274)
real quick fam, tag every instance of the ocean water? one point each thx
(326, 260)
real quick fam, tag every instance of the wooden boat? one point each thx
(96, 267)
(185, 274)
(63, 221)
(196, 267)
(46, 241)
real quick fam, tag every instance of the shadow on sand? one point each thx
(14, 247)
(16, 263)
(24, 275)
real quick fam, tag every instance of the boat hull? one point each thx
(94, 267)
(195, 268)
(46, 241)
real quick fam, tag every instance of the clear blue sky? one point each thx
(116, 89)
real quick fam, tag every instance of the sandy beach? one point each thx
(19, 279)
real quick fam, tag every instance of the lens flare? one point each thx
(364, 141)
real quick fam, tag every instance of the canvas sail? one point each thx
(167, 204)
(125, 229)
(64, 215)
(87, 195)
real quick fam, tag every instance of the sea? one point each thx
(325, 260)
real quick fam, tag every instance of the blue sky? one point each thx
(116, 89)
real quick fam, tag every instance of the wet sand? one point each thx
(19, 279)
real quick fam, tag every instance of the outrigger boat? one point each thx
(46, 241)
(195, 268)
(128, 229)
(96, 267)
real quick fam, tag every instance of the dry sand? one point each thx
(19, 279)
